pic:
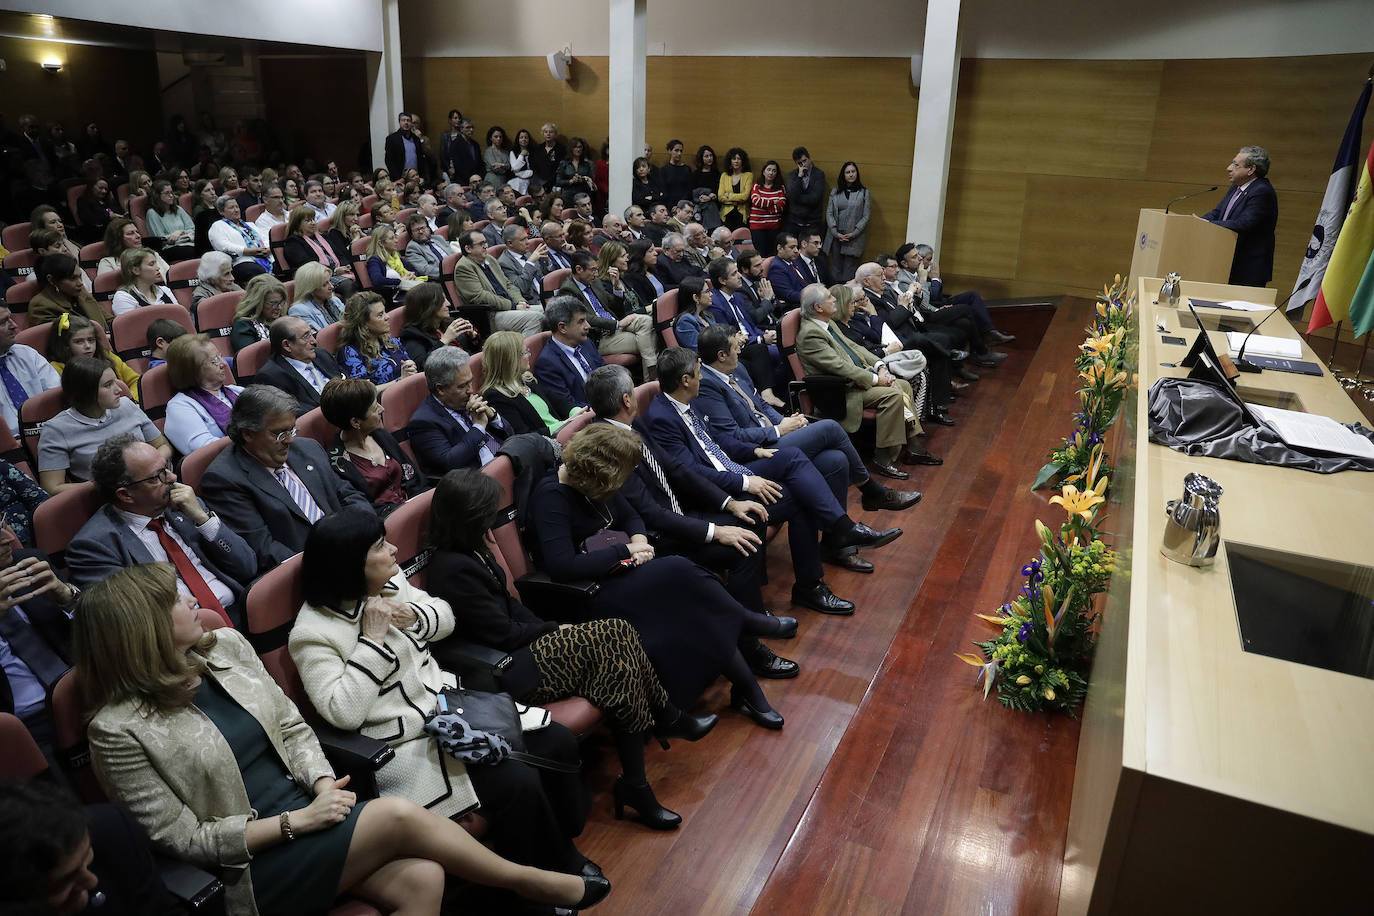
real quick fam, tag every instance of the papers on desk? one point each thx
(1313, 431)
(1264, 345)
(1234, 305)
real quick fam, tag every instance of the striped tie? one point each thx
(662, 478)
(712, 448)
(299, 494)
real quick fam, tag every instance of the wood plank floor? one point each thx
(893, 788)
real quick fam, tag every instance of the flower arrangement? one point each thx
(1042, 653)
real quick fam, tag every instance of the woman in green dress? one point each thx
(192, 735)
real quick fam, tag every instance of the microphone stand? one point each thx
(1243, 364)
(1186, 196)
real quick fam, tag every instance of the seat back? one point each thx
(155, 390)
(193, 468)
(665, 313)
(33, 413)
(535, 343)
(74, 192)
(396, 321)
(16, 236)
(504, 532)
(182, 280)
(276, 240)
(644, 395)
(399, 401)
(252, 213)
(407, 528)
(250, 359)
(743, 235)
(20, 756)
(446, 277)
(328, 337)
(215, 317)
(552, 280)
(369, 202)
(574, 426)
(69, 739)
(186, 203)
(313, 425)
(58, 518)
(13, 452)
(475, 364)
(36, 336)
(495, 251)
(138, 212)
(129, 332)
(269, 612)
(358, 251)
(19, 264)
(104, 286)
(90, 257)
(17, 299)
(787, 339)
(404, 215)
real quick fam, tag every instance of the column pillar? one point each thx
(384, 82)
(934, 123)
(627, 95)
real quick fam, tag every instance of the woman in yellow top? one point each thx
(75, 335)
(735, 186)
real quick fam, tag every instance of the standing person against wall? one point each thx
(805, 194)
(847, 216)
(767, 201)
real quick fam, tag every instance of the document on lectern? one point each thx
(1264, 345)
(1313, 431)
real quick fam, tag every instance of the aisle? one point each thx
(894, 787)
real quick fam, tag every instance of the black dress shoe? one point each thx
(850, 561)
(594, 890)
(1000, 337)
(940, 420)
(819, 597)
(966, 375)
(591, 870)
(891, 471)
(764, 662)
(909, 457)
(768, 718)
(888, 498)
(957, 386)
(647, 811)
(686, 726)
(860, 535)
(957, 355)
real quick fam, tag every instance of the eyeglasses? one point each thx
(164, 475)
(285, 434)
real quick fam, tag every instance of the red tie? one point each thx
(186, 571)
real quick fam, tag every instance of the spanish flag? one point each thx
(1350, 260)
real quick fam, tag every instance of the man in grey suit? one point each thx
(270, 486)
(424, 254)
(149, 516)
(520, 262)
(480, 281)
(496, 213)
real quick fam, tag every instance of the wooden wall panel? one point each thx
(1051, 160)
(322, 117)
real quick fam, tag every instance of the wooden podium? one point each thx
(1181, 243)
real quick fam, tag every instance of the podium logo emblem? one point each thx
(1144, 237)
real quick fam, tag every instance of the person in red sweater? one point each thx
(767, 201)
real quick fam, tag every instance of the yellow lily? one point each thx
(996, 621)
(1076, 503)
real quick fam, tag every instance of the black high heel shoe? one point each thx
(595, 889)
(685, 726)
(768, 718)
(647, 809)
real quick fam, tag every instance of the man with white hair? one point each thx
(698, 245)
(823, 350)
(723, 240)
(428, 207)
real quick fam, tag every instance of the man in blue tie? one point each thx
(781, 478)
(568, 358)
(758, 348)
(23, 370)
(614, 329)
(453, 427)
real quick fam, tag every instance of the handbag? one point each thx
(479, 727)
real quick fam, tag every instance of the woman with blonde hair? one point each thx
(366, 347)
(315, 301)
(513, 390)
(173, 711)
(384, 265)
(143, 279)
(344, 228)
(263, 302)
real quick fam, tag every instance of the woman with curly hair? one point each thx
(366, 347)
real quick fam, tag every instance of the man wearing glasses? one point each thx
(297, 366)
(270, 485)
(149, 516)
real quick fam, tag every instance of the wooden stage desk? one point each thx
(1210, 779)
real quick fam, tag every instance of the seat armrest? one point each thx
(486, 669)
(355, 755)
(828, 395)
(561, 601)
(197, 889)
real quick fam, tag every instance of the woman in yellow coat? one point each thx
(734, 189)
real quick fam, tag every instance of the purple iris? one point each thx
(1024, 633)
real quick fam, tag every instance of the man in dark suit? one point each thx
(782, 478)
(755, 288)
(270, 486)
(687, 515)
(658, 227)
(673, 266)
(453, 427)
(613, 328)
(729, 403)
(784, 274)
(151, 517)
(811, 263)
(568, 357)
(402, 148)
(465, 156)
(1250, 209)
(909, 317)
(297, 366)
(35, 636)
(805, 187)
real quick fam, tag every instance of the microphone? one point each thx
(1243, 364)
(1186, 196)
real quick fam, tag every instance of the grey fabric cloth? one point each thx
(1195, 417)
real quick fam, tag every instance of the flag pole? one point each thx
(1335, 341)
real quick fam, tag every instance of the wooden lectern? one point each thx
(1181, 243)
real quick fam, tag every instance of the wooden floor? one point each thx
(893, 788)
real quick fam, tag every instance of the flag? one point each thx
(1362, 303)
(1349, 257)
(1332, 213)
